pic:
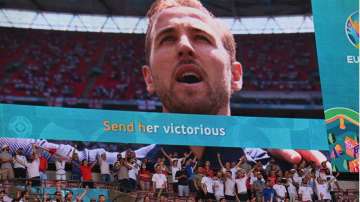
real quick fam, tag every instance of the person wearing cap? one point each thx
(20, 169)
(6, 160)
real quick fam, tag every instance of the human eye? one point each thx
(201, 37)
(167, 39)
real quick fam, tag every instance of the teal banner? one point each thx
(160, 128)
(337, 40)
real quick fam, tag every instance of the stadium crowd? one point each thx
(51, 64)
(171, 174)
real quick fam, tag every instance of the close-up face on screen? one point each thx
(179, 100)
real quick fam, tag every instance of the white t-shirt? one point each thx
(219, 187)
(6, 198)
(241, 185)
(209, 183)
(33, 168)
(20, 158)
(173, 173)
(280, 190)
(292, 190)
(104, 167)
(229, 187)
(178, 164)
(133, 172)
(253, 178)
(232, 170)
(322, 175)
(324, 190)
(60, 167)
(306, 193)
(159, 179)
(297, 179)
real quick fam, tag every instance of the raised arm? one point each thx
(241, 161)
(186, 156)
(219, 160)
(93, 164)
(81, 196)
(35, 150)
(166, 154)
(195, 162)
(335, 181)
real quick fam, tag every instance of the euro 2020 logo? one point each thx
(352, 29)
(20, 126)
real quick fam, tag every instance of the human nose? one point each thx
(185, 47)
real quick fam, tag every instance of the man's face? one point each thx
(189, 68)
(58, 195)
(69, 195)
(102, 199)
(259, 176)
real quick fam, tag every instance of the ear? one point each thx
(236, 77)
(146, 71)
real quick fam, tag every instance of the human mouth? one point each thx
(189, 78)
(188, 74)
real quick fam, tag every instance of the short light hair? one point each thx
(160, 5)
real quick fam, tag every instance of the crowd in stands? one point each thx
(52, 64)
(173, 174)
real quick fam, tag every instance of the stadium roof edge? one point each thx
(16, 18)
(227, 8)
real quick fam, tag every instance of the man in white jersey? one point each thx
(228, 167)
(104, 168)
(280, 190)
(241, 189)
(230, 191)
(207, 184)
(159, 182)
(219, 185)
(305, 191)
(323, 190)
